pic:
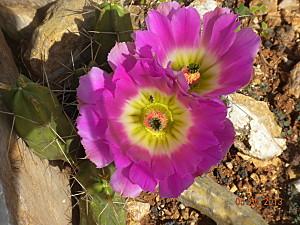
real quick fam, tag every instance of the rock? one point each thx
(297, 185)
(137, 211)
(4, 216)
(204, 6)
(8, 75)
(29, 3)
(233, 188)
(58, 39)
(219, 204)
(181, 206)
(293, 86)
(273, 19)
(229, 165)
(263, 179)
(175, 215)
(35, 192)
(42, 190)
(19, 18)
(185, 214)
(258, 163)
(255, 177)
(137, 14)
(9, 70)
(291, 173)
(296, 22)
(255, 123)
(289, 5)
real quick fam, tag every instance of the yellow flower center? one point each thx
(199, 68)
(156, 121)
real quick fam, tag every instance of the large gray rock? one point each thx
(58, 39)
(204, 6)
(290, 5)
(35, 192)
(9, 73)
(4, 216)
(216, 202)
(20, 17)
(256, 124)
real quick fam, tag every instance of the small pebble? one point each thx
(175, 215)
(255, 20)
(263, 179)
(291, 173)
(167, 212)
(268, 44)
(185, 214)
(233, 188)
(229, 165)
(161, 213)
(255, 177)
(181, 206)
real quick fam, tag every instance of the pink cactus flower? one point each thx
(158, 136)
(210, 53)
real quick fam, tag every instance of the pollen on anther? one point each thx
(155, 120)
(191, 76)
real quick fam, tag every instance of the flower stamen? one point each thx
(191, 73)
(156, 120)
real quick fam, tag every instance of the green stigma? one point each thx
(155, 124)
(193, 68)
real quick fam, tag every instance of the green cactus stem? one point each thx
(100, 204)
(39, 119)
(113, 24)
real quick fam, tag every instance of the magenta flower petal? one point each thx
(225, 136)
(168, 8)
(223, 34)
(160, 24)
(90, 84)
(143, 177)
(162, 43)
(185, 26)
(204, 57)
(174, 185)
(91, 123)
(121, 183)
(99, 158)
(209, 19)
(162, 167)
(144, 44)
(121, 53)
(191, 155)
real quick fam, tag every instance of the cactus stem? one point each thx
(70, 161)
